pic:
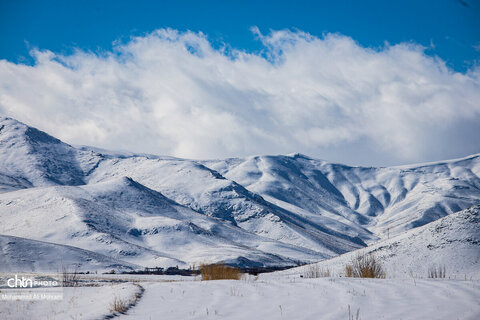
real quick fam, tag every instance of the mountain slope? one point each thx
(385, 201)
(452, 242)
(204, 190)
(125, 220)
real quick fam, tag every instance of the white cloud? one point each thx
(170, 92)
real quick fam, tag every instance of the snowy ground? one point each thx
(92, 302)
(271, 296)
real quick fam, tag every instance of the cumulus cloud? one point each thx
(172, 93)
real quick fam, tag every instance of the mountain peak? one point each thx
(299, 156)
(11, 129)
(31, 157)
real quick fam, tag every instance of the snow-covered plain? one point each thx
(275, 296)
(296, 298)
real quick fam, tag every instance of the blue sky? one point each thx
(449, 28)
(357, 82)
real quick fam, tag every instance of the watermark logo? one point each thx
(23, 282)
(30, 287)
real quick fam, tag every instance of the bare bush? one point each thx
(70, 278)
(365, 266)
(315, 271)
(219, 272)
(434, 272)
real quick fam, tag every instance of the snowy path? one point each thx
(295, 298)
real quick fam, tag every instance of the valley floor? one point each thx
(269, 296)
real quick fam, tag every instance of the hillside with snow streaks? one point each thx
(451, 243)
(384, 201)
(205, 191)
(148, 210)
(122, 219)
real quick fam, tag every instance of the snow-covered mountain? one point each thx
(123, 219)
(146, 210)
(384, 201)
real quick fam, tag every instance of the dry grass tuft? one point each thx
(119, 306)
(350, 315)
(349, 270)
(219, 272)
(436, 272)
(70, 278)
(315, 271)
(365, 266)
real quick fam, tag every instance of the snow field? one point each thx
(321, 298)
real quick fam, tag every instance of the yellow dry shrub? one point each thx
(219, 272)
(365, 266)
